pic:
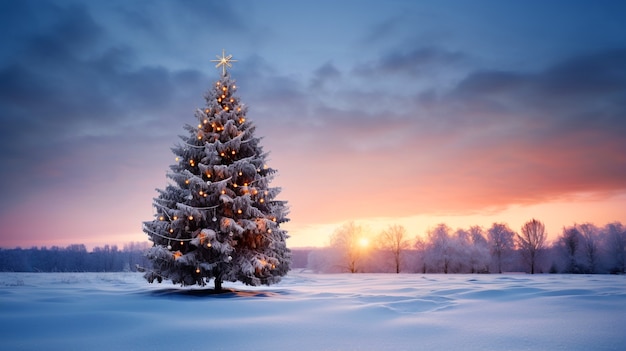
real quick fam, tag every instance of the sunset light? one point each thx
(364, 242)
(413, 114)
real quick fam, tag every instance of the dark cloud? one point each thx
(64, 84)
(419, 61)
(326, 72)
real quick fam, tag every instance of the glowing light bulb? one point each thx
(186, 181)
(234, 87)
(269, 230)
(208, 245)
(233, 152)
(197, 270)
(239, 211)
(175, 218)
(177, 159)
(191, 218)
(206, 111)
(200, 192)
(171, 230)
(223, 191)
(222, 154)
(161, 218)
(240, 173)
(262, 200)
(225, 108)
(235, 185)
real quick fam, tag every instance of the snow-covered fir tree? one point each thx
(219, 218)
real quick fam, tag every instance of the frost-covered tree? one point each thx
(219, 218)
(479, 251)
(589, 234)
(569, 246)
(393, 240)
(614, 237)
(531, 242)
(502, 244)
(347, 242)
(440, 250)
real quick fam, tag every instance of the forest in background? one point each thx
(583, 248)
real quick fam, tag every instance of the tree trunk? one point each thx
(218, 284)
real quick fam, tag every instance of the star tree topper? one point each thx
(224, 61)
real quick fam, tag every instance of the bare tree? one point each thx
(501, 240)
(393, 239)
(531, 241)
(346, 239)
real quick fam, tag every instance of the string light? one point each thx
(191, 218)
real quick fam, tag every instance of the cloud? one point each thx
(64, 88)
(416, 62)
(496, 139)
(325, 73)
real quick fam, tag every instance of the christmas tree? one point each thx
(219, 218)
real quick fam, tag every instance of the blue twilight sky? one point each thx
(410, 112)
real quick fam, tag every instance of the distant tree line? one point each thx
(74, 258)
(581, 248)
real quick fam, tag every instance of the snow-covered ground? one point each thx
(120, 311)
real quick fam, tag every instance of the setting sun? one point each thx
(364, 242)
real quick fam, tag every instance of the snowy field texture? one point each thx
(120, 311)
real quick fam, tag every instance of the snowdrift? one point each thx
(120, 311)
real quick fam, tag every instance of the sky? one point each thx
(378, 112)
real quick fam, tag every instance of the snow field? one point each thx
(120, 311)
